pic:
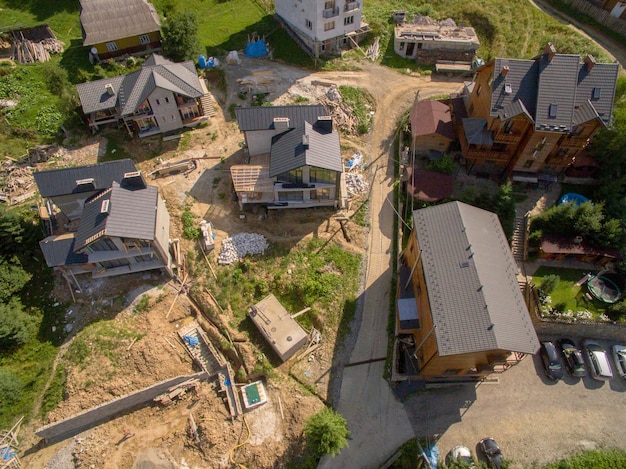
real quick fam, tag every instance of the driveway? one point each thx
(532, 418)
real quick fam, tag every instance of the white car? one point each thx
(599, 366)
(460, 454)
(619, 355)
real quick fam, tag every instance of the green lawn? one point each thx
(567, 296)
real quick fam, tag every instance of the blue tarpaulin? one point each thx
(573, 198)
(191, 341)
(256, 49)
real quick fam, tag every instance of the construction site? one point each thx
(179, 372)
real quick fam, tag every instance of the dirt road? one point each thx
(378, 423)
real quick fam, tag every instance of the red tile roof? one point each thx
(429, 117)
(429, 186)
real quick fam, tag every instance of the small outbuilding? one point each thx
(278, 327)
(431, 127)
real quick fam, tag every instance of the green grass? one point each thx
(322, 276)
(55, 392)
(362, 105)
(596, 459)
(567, 296)
(107, 337)
(31, 365)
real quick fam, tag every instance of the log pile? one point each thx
(16, 182)
(342, 114)
(32, 45)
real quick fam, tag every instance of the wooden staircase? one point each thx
(206, 101)
(209, 359)
(517, 244)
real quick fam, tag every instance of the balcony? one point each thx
(330, 12)
(503, 137)
(574, 142)
(352, 6)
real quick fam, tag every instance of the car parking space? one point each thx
(538, 420)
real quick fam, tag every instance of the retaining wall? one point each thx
(90, 418)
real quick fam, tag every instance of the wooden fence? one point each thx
(601, 16)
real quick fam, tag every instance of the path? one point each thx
(378, 423)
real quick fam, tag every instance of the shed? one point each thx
(282, 332)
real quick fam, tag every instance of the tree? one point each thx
(10, 386)
(181, 36)
(15, 325)
(326, 432)
(12, 279)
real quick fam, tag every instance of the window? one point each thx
(402, 46)
(167, 100)
(144, 39)
(328, 5)
(111, 46)
(321, 194)
(478, 89)
(528, 163)
(329, 26)
(508, 125)
(104, 244)
(596, 93)
(158, 102)
(291, 196)
(552, 111)
(348, 20)
(292, 177)
(308, 24)
(419, 45)
(322, 175)
(114, 263)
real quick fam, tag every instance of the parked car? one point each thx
(460, 454)
(551, 362)
(491, 451)
(599, 366)
(619, 355)
(573, 358)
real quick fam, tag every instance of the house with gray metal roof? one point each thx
(294, 158)
(113, 28)
(120, 225)
(163, 96)
(532, 117)
(470, 318)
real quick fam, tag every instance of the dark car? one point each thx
(491, 450)
(551, 362)
(574, 361)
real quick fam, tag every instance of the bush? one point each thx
(326, 432)
(550, 282)
(10, 386)
(190, 228)
(617, 311)
(15, 325)
(445, 165)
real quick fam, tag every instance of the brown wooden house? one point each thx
(431, 127)
(533, 116)
(467, 317)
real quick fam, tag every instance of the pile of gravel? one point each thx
(240, 245)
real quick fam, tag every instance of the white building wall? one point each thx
(165, 109)
(297, 12)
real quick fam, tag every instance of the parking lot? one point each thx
(533, 419)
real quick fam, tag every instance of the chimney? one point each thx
(281, 123)
(549, 51)
(109, 89)
(504, 70)
(590, 61)
(85, 184)
(133, 180)
(324, 124)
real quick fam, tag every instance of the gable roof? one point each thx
(430, 116)
(476, 303)
(262, 117)
(58, 182)
(130, 213)
(556, 91)
(59, 250)
(289, 152)
(130, 91)
(555, 94)
(109, 20)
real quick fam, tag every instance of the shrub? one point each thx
(10, 386)
(445, 165)
(550, 282)
(617, 311)
(190, 228)
(142, 305)
(326, 432)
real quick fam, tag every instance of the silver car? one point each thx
(619, 355)
(598, 359)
